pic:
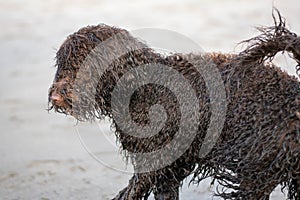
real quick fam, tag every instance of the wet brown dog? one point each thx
(259, 146)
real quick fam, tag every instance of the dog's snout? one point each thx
(56, 98)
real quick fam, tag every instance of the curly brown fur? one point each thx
(259, 146)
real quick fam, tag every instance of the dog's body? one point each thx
(259, 146)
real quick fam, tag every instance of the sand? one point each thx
(49, 156)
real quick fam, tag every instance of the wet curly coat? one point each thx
(259, 146)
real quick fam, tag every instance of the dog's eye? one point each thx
(63, 91)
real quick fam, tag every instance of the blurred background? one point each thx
(42, 156)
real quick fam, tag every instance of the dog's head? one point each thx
(82, 80)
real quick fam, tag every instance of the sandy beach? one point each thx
(49, 156)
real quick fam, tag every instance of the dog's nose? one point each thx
(56, 98)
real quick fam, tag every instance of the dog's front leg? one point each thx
(139, 187)
(166, 193)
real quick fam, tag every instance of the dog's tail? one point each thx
(272, 40)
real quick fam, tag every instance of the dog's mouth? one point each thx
(60, 103)
(60, 98)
